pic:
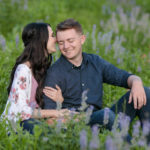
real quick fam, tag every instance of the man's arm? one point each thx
(52, 79)
(137, 93)
(118, 77)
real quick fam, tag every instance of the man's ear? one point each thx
(83, 38)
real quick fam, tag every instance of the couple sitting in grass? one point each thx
(36, 86)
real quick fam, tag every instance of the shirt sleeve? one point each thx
(18, 102)
(113, 75)
(52, 78)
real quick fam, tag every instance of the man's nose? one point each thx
(66, 45)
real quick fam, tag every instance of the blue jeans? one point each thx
(122, 105)
(98, 117)
(28, 125)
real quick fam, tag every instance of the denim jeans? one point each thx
(97, 117)
(122, 105)
(28, 125)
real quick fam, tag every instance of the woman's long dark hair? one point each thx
(35, 38)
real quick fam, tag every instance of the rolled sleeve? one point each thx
(113, 75)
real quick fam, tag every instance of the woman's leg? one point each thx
(28, 125)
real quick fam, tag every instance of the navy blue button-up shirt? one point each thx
(93, 72)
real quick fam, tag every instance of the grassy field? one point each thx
(116, 30)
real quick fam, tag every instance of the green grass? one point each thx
(135, 58)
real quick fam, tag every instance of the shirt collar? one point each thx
(69, 66)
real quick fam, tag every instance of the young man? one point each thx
(76, 72)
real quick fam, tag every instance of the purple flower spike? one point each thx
(2, 43)
(146, 128)
(83, 140)
(139, 69)
(123, 122)
(109, 144)
(94, 143)
(106, 116)
(136, 130)
(17, 40)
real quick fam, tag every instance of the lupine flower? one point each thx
(118, 60)
(94, 143)
(2, 43)
(109, 144)
(93, 37)
(136, 130)
(83, 140)
(146, 128)
(59, 125)
(45, 139)
(98, 50)
(105, 39)
(72, 113)
(107, 48)
(89, 113)
(117, 46)
(25, 4)
(106, 116)
(84, 98)
(139, 69)
(58, 105)
(17, 40)
(123, 122)
(142, 142)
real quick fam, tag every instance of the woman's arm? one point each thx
(54, 94)
(51, 113)
(18, 101)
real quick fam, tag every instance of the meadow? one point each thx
(116, 30)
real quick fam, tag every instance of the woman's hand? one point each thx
(63, 115)
(54, 94)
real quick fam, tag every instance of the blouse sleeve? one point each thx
(18, 101)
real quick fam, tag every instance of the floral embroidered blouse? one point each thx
(19, 104)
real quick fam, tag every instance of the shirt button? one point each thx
(82, 84)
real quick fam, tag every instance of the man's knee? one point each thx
(147, 92)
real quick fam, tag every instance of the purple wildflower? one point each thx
(83, 140)
(17, 40)
(146, 128)
(109, 144)
(72, 112)
(136, 130)
(141, 142)
(58, 105)
(2, 43)
(93, 37)
(59, 125)
(118, 60)
(25, 4)
(88, 113)
(123, 122)
(106, 116)
(139, 69)
(94, 143)
(84, 98)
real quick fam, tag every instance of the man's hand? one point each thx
(137, 93)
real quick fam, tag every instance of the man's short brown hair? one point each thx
(69, 24)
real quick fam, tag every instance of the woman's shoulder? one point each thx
(23, 67)
(22, 70)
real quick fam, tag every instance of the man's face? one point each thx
(70, 43)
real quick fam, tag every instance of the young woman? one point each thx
(27, 77)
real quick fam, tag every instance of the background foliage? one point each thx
(117, 30)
